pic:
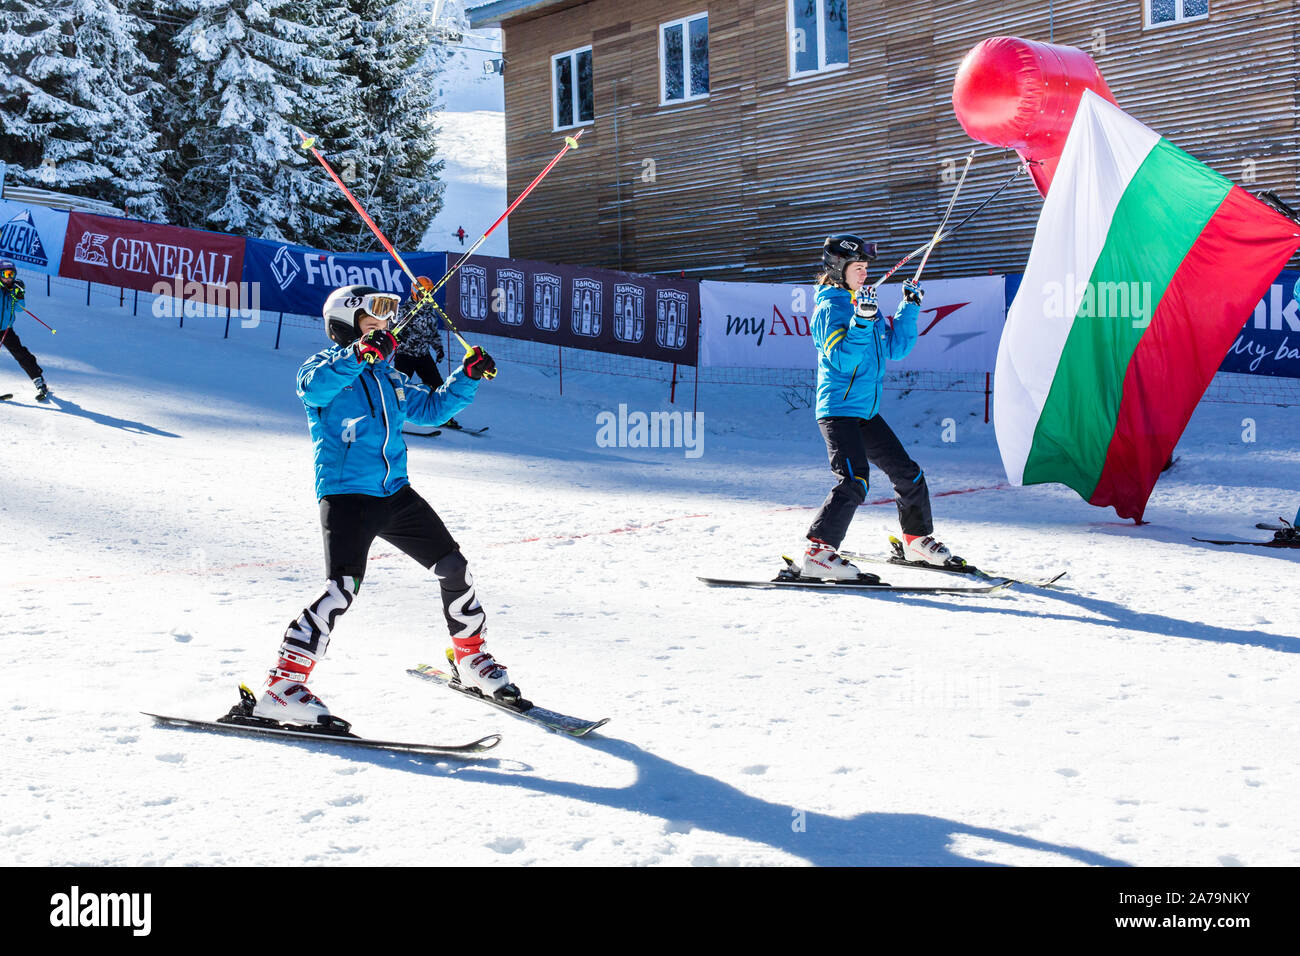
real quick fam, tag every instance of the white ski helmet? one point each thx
(345, 306)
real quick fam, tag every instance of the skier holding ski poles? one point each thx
(356, 403)
(853, 342)
(12, 295)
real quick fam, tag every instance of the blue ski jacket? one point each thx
(851, 356)
(355, 413)
(10, 299)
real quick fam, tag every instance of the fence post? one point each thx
(559, 349)
(986, 397)
(87, 292)
(278, 326)
(47, 284)
(121, 296)
(672, 391)
(135, 309)
(227, 335)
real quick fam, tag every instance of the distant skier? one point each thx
(12, 295)
(420, 350)
(356, 403)
(853, 341)
(460, 234)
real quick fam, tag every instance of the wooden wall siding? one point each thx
(746, 184)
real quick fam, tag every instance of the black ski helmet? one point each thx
(344, 308)
(839, 251)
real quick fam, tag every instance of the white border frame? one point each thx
(684, 22)
(1178, 19)
(572, 56)
(822, 65)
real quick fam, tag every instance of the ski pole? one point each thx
(570, 142)
(946, 214)
(1023, 167)
(38, 319)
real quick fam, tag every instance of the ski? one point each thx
(433, 434)
(791, 578)
(467, 431)
(959, 567)
(1286, 538)
(6, 396)
(240, 720)
(525, 710)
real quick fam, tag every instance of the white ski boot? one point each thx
(822, 561)
(285, 696)
(478, 669)
(927, 550)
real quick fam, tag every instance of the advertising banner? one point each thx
(578, 307)
(184, 263)
(764, 325)
(297, 280)
(32, 236)
(1269, 344)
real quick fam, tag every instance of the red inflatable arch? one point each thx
(1023, 95)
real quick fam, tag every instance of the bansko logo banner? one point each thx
(297, 279)
(765, 325)
(601, 310)
(1269, 344)
(32, 236)
(140, 255)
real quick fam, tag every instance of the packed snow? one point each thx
(159, 531)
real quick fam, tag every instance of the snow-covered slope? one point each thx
(158, 531)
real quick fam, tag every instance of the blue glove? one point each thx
(912, 292)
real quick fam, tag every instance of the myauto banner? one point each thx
(32, 236)
(600, 310)
(184, 263)
(297, 280)
(764, 325)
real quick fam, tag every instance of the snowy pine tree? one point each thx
(397, 52)
(248, 72)
(74, 99)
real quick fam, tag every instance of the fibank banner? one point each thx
(32, 236)
(297, 280)
(762, 325)
(622, 313)
(1269, 344)
(186, 263)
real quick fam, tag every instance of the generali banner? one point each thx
(131, 254)
(763, 325)
(577, 307)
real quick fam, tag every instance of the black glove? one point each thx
(478, 364)
(864, 304)
(376, 345)
(436, 347)
(912, 292)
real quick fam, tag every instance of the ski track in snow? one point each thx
(159, 531)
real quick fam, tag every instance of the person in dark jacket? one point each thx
(356, 404)
(12, 295)
(853, 342)
(420, 351)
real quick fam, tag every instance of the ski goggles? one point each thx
(7, 274)
(381, 305)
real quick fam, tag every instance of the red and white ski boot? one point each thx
(926, 549)
(822, 561)
(474, 667)
(285, 696)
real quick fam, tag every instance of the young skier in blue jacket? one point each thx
(12, 294)
(356, 404)
(853, 342)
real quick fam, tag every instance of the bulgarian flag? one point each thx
(1145, 266)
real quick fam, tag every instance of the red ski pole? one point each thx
(37, 318)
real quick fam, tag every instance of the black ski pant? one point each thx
(350, 524)
(19, 351)
(853, 444)
(425, 366)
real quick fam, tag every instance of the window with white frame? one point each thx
(819, 35)
(1161, 12)
(571, 88)
(684, 59)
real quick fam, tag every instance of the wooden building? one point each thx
(725, 140)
